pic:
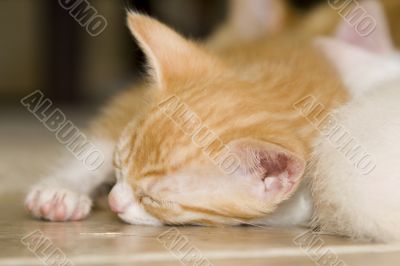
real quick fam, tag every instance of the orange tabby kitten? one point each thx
(212, 138)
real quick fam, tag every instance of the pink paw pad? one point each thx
(57, 204)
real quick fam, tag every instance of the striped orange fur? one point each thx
(242, 90)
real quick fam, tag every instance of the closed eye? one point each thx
(151, 202)
(146, 200)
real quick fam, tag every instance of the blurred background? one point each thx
(43, 47)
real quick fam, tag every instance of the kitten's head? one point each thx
(192, 157)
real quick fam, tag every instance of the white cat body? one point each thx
(349, 201)
(363, 205)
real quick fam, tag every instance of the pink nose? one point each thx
(120, 197)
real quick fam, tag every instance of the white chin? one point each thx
(135, 214)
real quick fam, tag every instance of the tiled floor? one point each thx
(26, 148)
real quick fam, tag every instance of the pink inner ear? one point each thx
(281, 172)
(275, 164)
(278, 169)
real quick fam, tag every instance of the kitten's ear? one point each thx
(368, 28)
(360, 55)
(252, 19)
(278, 169)
(359, 69)
(170, 55)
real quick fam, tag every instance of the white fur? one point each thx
(135, 214)
(349, 201)
(65, 194)
(295, 211)
(361, 70)
(123, 202)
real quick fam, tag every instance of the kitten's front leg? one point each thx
(65, 195)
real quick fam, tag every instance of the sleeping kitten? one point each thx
(348, 200)
(169, 170)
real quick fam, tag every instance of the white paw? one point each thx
(57, 204)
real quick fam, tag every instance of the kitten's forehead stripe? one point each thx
(146, 124)
(157, 119)
(157, 170)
